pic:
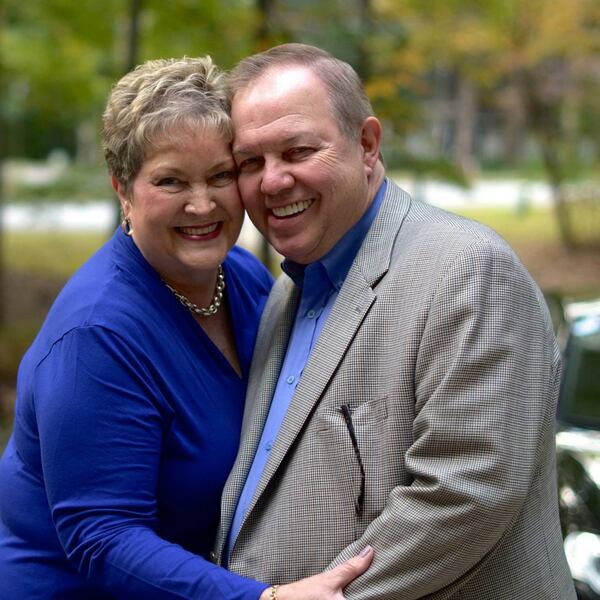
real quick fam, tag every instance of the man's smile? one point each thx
(292, 209)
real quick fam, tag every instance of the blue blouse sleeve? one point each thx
(101, 423)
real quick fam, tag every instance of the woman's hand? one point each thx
(325, 586)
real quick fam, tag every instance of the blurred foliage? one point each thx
(60, 59)
(424, 168)
(15, 338)
(450, 79)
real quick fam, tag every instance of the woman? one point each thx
(130, 399)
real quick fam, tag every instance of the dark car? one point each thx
(578, 445)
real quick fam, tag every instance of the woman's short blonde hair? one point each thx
(154, 103)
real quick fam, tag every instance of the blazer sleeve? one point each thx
(101, 425)
(485, 386)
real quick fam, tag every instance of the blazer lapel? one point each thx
(344, 320)
(271, 346)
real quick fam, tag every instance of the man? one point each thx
(405, 376)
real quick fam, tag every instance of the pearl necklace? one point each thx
(216, 301)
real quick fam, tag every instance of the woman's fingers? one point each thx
(324, 586)
(343, 574)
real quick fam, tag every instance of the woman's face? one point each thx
(184, 207)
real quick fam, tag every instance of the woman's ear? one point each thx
(123, 198)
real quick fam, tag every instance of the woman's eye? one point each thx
(168, 182)
(223, 177)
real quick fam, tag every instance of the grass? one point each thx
(533, 225)
(51, 254)
(59, 254)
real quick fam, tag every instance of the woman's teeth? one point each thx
(199, 230)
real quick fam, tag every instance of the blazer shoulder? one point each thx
(436, 227)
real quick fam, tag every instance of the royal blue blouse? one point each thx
(127, 423)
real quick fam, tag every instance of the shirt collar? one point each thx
(337, 262)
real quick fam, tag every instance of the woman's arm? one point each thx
(102, 420)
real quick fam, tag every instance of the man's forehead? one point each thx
(278, 83)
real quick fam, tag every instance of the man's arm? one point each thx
(486, 382)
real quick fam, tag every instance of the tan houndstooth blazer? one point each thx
(441, 345)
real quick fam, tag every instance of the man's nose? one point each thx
(276, 177)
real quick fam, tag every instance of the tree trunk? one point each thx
(465, 117)
(266, 11)
(2, 157)
(363, 65)
(86, 143)
(555, 175)
(133, 37)
(266, 14)
(545, 120)
(513, 126)
(131, 60)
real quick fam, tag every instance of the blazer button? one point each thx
(213, 556)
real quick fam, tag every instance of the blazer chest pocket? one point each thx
(362, 414)
(357, 433)
(369, 412)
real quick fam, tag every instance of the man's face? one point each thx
(303, 183)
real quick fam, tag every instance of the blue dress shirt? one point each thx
(320, 283)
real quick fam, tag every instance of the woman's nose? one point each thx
(199, 201)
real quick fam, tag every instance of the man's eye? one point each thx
(299, 152)
(250, 165)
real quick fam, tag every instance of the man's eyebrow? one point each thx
(241, 151)
(289, 140)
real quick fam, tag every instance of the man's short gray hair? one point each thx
(349, 102)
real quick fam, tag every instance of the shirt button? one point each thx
(290, 379)
(268, 446)
(310, 314)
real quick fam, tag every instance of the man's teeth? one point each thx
(199, 230)
(291, 209)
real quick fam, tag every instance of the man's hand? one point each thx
(325, 586)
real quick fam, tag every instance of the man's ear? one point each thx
(370, 140)
(123, 198)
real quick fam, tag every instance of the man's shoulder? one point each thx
(437, 227)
